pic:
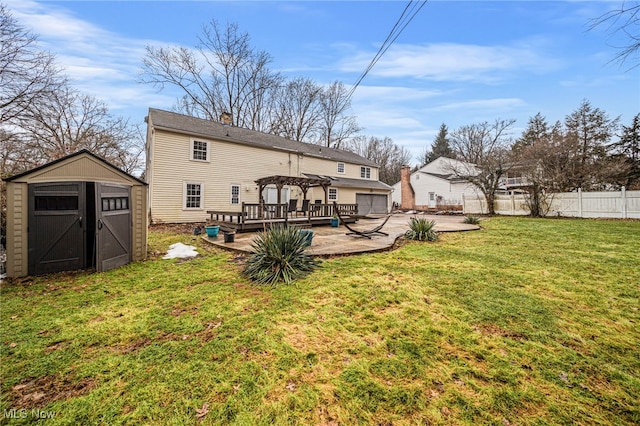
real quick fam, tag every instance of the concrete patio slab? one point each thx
(328, 241)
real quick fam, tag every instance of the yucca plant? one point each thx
(473, 220)
(278, 255)
(421, 229)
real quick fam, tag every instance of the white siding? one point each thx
(230, 163)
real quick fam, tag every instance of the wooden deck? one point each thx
(254, 217)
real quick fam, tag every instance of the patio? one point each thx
(328, 241)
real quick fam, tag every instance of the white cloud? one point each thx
(488, 105)
(393, 94)
(98, 62)
(453, 62)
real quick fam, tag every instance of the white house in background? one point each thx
(195, 165)
(434, 186)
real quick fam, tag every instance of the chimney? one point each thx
(407, 195)
(225, 118)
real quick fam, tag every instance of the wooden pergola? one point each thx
(301, 182)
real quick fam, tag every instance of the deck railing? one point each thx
(279, 212)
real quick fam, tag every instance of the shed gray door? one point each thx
(56, 234)
(371, 203)
(113, 242)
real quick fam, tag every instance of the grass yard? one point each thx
(526, 322)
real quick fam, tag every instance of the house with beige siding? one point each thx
(196, 165)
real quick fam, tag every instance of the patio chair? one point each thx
(362, 233)
(293, 205)
(305, 207)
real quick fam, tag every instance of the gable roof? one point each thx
(193, 126)
(450, 177)
(82, 152)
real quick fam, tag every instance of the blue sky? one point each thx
(456, 63)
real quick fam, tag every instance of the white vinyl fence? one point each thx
(614, 204)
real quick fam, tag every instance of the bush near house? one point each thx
(531, 321)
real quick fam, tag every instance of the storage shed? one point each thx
(77, 212)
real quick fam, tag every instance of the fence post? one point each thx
(623, 196)
(579, 202)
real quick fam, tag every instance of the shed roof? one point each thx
(76, 155)
(212, 129)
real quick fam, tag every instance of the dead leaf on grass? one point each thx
(563, 376)
(291, 387)
(201, 412)
(13, 344)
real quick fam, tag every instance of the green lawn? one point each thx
(525, 322)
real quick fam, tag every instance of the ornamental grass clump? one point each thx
(278, 256)
(473, 220)
(421, 229)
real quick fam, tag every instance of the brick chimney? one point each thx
(407, 195)
(225, 118)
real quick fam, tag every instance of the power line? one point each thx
(411, 9)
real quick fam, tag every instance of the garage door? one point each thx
(371, 204)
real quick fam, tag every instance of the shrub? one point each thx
(278, 255)
(473, 220)
(421, 229)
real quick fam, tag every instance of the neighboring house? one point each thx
(195, 165)
(433, 187)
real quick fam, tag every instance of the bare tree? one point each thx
(623, 21)
(69, 121)
(27, 74)
(384, 152)
(541, 155)
(337, 126)
(223, 74)
(484, 155)
(297, 110)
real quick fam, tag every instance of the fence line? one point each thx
(610, 204)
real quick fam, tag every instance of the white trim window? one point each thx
(333, 194)
(200, 151)
(365, 172)
(193, 198)
(341, 168)
(235, 194)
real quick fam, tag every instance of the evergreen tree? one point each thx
(592, 129)
(440, 146)
(537, 129)
(629, 149)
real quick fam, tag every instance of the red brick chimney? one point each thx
(407, 195)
